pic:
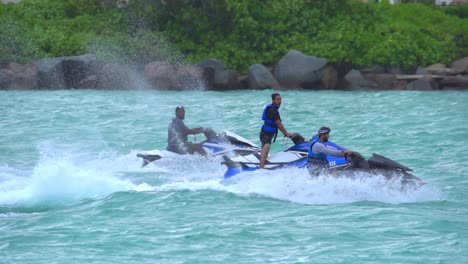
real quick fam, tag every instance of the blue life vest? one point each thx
(317, 159)
(270, 125)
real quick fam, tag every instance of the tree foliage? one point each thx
(237, 32)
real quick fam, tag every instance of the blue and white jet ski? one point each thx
(296, 156)
(226, 144)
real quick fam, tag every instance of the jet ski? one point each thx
(296, 156)
(226, 143)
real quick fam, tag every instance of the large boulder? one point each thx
(386, 81)
(161, 75)
(212, 63)
(329, 78)
(461, 65)
(90, 82)
(425, 83)
(259, 77)
(118, 76)
(296, 70)
(18, 76)
(222, 77)
(78, 68)
(189, 77)
(65, 72)
(454, 82)
(421, 71)
(354, 80)
(438, 69)
(226, 80)
(4, 80)
(50, 74)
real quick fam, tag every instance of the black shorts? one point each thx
(266, 137)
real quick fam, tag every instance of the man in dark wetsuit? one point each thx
(177, 135)
(272, 122)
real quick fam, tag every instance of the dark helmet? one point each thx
(178, 108)
(323, 130)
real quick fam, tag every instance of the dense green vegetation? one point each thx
(238, 32)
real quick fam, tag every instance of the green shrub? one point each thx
(17, 44)
(238, 32)
(460, 11)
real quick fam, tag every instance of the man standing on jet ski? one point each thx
(177, 135)
(318, 151)
(269, 131)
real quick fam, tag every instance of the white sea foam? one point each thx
(58, 178)
(62, 175)
(297, 185)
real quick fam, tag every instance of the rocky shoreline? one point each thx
(293, 71)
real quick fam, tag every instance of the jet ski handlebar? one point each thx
(209, 133)
(297, 138)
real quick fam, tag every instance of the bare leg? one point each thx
(264, 155)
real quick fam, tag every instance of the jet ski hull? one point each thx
(296, 156)
(227, 143)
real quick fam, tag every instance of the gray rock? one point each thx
(90, 82)
(189, 77)
(160, 75)
(356, 81)
(65, 72)
(461, 65)
(386, 81)
(78, 68)
(18, 76)
(226, 80)
(454, 82)
(421, 71)
(425, 83)
(438, 69)
(119, 76)
(259, 77)
(4, 80)
(329, 78)
(212, 63)
(220, 77)
(296, 70)
(50, 74)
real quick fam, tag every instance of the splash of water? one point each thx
(60, 178)
(127, 56)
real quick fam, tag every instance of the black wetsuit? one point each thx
(177, 137)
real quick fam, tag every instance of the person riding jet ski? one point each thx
(177, 133)
(225, 143)
(318, 151)
(177, 138)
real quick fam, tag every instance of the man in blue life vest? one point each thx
(272, 122)
(318, 151)
(177, 135)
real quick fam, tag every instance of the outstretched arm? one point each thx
(197, 130)
(321, 148)
(193, 131)
(282, 128)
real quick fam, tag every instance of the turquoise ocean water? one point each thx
(72, 190)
